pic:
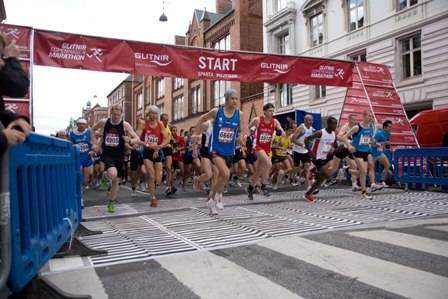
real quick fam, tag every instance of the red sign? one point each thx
(373, 90)
(111, 55)
(18, 106)
(21, 35)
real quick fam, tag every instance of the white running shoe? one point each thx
(356, 188)
(211, 204)
(383, 183)
(366, 195)
(374, 187)
(219, 202)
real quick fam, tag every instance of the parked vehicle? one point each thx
(431, 127)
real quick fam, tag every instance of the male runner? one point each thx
(381, 138)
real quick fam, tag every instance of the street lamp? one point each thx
(163, 17)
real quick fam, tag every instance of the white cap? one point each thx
(81, 121)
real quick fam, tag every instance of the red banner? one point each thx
(373, 90)
(111, 55)
(22, 36)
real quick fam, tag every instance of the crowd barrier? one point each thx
(422, 166)
(45, 203)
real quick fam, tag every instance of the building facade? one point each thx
(123, 95)
(236, 25)
(94, 114)
(409, 36)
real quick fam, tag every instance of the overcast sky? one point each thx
(61, 93)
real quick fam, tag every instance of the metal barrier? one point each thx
(45, 198)
(428, 166)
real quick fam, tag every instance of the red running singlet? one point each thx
(265, 131)
(152, 136)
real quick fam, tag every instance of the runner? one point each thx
(204, 152)
(381, 138)
(350, 160)
(326, 155)
(112, 143)
(301, 154)
(265, 125)
(83, 138)
(178, 148)
(281, 164)
(154, 137)
(362, 135)
(168, 154)
(137, 168)
(226, 126)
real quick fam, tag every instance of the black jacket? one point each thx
(13, 83)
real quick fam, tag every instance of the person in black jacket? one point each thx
(13, 83)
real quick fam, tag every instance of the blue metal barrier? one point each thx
(427, 166)
(45, 196)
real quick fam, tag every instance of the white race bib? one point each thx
(225, 135)
(151, 139)
(364, 140)
(265, 138)
(112, 140)
(83, 147)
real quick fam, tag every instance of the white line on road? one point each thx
(211, 276)
(398, 279)
(443, 228)
(428, 245)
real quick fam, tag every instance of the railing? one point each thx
(45, 203)
(425, 166)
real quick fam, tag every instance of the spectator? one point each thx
(13, 83)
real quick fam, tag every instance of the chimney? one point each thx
(223, 6)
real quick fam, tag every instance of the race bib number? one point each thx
(151, 140)
(364, 140)
(265, 138)
(226, 135)
(83, 147)
(112, 140)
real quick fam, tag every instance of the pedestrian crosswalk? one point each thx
(140, 237)
(363, 263)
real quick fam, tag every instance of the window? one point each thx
(317, 29)
(402, 4)
(179, 110)
(178, 83)
(140, 100)
(320, 91)
(280, 4)
(285, 91)
(362, 56)
(283, 44)
(220, 87)
(411, 56)
(196, 100)
(355, 14)
(160, 88)
(161, 108)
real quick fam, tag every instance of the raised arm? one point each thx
(203, 118)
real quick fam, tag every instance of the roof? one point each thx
(214, 17)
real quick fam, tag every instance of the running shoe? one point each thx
(211, 204)
(356, 188)
(153, 202)
(315, 192)
(275, 187)
(365, 195)
(265, 191)
(308, 197)
(173, 190)
(111, 207)
(250, 193)
(219, 201)
(375, 187)
(383, 183)
(104, 184)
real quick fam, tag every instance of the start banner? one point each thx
(112, 55)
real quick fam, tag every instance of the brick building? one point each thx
(94, 114)
(236, 25)
(123, 94)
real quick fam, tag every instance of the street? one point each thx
(340, 246)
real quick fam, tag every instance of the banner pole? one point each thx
(31, 69)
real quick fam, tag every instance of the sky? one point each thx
(60, 94)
